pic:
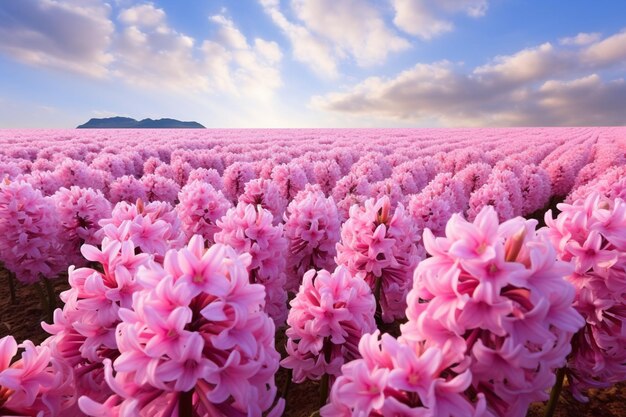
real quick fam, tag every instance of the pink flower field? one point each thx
(333, 272)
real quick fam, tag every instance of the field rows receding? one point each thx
(196, 272)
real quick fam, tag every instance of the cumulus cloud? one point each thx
(150, 53)
(580, 39)
(607, 51)
(69, 35)
(526, 66)
(142, 49)
(326, 32)
(427, 19)
(544, 85)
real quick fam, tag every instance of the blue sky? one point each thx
(314, 63)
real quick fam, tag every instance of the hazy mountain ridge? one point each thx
(129, 123)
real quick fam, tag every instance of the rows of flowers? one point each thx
(405, 281)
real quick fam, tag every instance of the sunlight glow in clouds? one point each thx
(310, 63)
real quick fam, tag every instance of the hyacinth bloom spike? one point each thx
(327, 318)
(249, 229)
(210, 349)
(30, 241)
(589, 234)
(382, 246)
(507, 316)
(312, 231)
(200, 207)
(400, 377)
(36, 383)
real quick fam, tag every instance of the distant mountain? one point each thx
(128, 123)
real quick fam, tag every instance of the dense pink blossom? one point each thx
(128, 189)
(154, 227)
(493, 298)
(249, 229)
(265, 193)
(502, 191)
(326, 173)
(410, 177)
(473, 176)
(348, 191)
(35, 384)
(388, 187)
(159, 188)
(83, 332)
(79, 211)
(290, 179)
(402, 378)
(46, 182)
(30, 232)
(382, 245)
(536, 189)
(196, 326)
(210, 176)
(235, 178)
(564, 166)
(372, 166)
(77, 173)
(434, 205)
(200, 207)
(488, 321)
(611, 184)
(328, 316)
(590, 234)
(312, 231)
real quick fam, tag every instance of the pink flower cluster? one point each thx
(153, 228)
(36, 384)
(328, 316)
(493, 298)
(402, 378)
(383, 246)
(249, 229)
(30, 230)
(127, 188)
(83, 332)
(267, 194)
(160, 188)
(195, 337)
(434, 205)
(501, 191)
(80, 210)
(591, 235)
(200, 207)
(312, 230)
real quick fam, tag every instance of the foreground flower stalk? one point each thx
(555, 393)
(495, 292)
(590, 235)
(328, 316)
(195, 341)
(490, 319)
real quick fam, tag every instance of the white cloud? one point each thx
(71, 35)
(544, 85)
(525, 66)
(607, 51)
(144, 15)
(149, 53)
(580, 39)
(143, 49)
(307, 48)
(329, 31)
(353, 27)
(427, 19)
